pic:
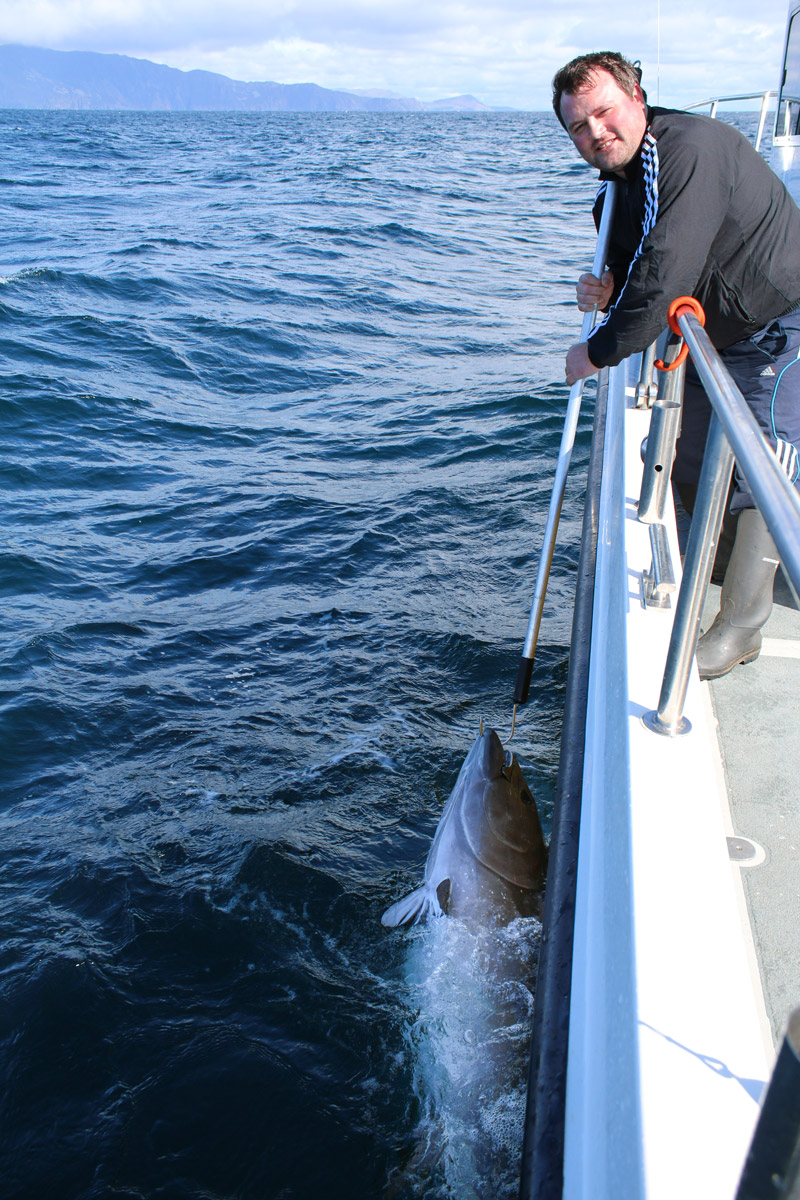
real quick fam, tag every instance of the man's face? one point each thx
(605, 123)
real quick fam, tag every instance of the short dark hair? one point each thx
(578, 74)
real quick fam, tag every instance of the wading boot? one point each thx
(687, 494)
(745, 600)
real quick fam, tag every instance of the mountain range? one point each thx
(32, 77)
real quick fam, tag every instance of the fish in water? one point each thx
(469, 982)
(488, 858)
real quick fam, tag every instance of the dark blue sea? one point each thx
(281, 397)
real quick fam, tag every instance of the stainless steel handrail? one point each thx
(727, 99)
(734, 431)
(777, 499)
(790, 105)
(715, 101)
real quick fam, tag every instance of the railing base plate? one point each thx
(655, 725)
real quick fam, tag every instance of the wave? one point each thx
(282, 398)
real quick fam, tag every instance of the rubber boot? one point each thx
(687, 494)
(745, 600)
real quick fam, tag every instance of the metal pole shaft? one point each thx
(762, 120)
(645, 390)
(562, 467)
(664, 422)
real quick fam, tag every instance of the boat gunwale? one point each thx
(543, 1145)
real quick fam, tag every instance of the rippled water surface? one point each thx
(281, 398)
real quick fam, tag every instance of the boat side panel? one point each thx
(667, 1058)
(543, 1150)
(603, 1121)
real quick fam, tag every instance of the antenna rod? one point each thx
(658, 52)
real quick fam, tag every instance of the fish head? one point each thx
(488, 858)
(500, 819)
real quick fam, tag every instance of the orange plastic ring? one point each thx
(680, 357)
(683, 302)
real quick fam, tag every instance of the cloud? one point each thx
(504, 54)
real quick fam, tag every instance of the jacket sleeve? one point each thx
(688, 180)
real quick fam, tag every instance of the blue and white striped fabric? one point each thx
(650, 167)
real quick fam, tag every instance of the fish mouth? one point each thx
(507, 771)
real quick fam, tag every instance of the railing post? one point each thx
(660, 446)
(712, 492)
(733, 430)
(762, 120)
(659, 581)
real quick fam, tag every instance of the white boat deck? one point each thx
(758, 710)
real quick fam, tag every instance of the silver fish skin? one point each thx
(488, 858)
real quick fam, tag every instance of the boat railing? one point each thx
(766, 99)
(788, 121)
(733, 433)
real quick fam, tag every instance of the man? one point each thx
(699, 213)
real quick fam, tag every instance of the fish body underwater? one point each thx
(469, 983)
(488, 859)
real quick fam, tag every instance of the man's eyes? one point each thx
(581, 126)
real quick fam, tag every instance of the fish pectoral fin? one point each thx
(419, 904)
(407, 911)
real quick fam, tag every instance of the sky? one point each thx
(504, 53)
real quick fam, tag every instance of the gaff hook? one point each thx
(513, 723)
(672, 317)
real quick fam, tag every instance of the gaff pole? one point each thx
(562, 467)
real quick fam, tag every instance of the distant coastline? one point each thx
(32, 77)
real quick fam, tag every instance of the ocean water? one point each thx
(281, 397)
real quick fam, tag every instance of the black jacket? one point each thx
(699, 214)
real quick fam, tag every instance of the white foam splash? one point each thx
(472, 992)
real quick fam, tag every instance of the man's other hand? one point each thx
(593, 292)
(578, 364)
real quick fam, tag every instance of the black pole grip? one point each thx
(523, 684)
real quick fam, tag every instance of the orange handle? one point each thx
(694, 306)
